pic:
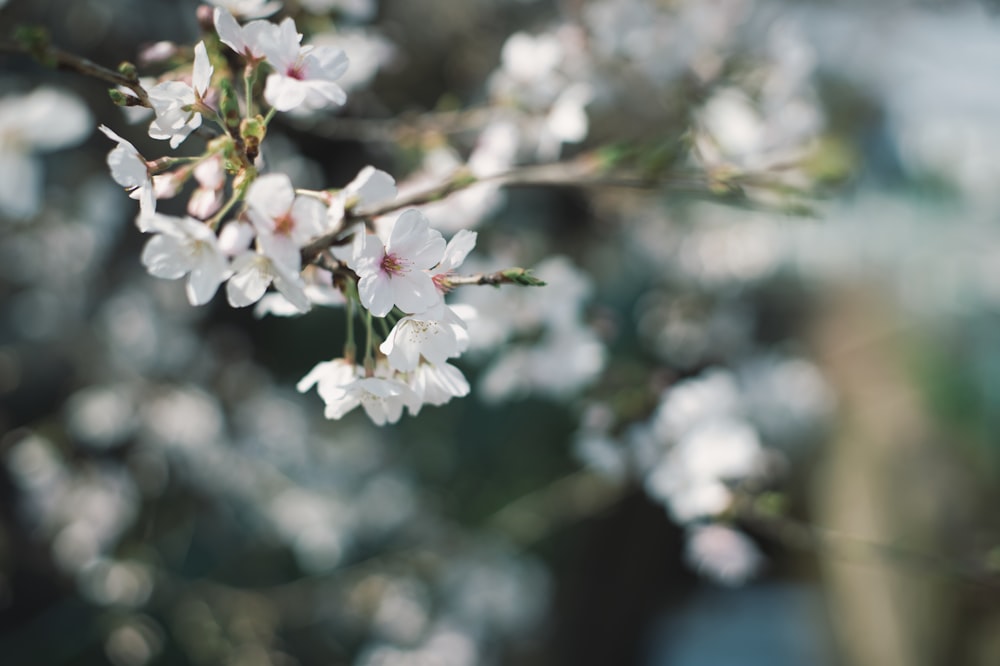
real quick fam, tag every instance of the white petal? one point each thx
(375, 293)
(166, 257)
(249, 282)
(201, 74)
(413, 239)
(457, 250)
(229, 30)
(284, 93)
(371, 186)
(414, 292)
(271, 195)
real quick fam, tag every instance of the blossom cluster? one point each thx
(286, 249)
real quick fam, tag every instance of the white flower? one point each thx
(436, 384)
(303, 75)
(129, 169)
(254, 272)
(436, 334)
(723, 554)
(394, 274)
(248, 9)
(185, 246)
(284, 222)
(691, 478)
(370, 187)
(382, 399)
(42, 120)
(245, 40)
(330, 378)
(173, 100)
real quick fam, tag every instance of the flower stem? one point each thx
(369, 346)
(350, 349)
(248, 77)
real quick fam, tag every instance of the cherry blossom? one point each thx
(394, 274)
(254, 272)
(436, 334)
(436, 384)
(129, 169)
(303, 76)
(174, 101)
(42, 120)
(284, 222)
(185, 246)
(246, 39)
(329, 378)
(341, 387)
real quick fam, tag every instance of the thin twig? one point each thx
(51, 56)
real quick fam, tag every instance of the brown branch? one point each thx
(586, 171)
(50, 56)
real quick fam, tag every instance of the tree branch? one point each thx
(38, 47)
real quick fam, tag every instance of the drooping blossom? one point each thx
(129, 169)
(436, 384)
(436, 334)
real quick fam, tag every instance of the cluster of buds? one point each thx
(286, 249)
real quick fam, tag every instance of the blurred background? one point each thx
(751, 420)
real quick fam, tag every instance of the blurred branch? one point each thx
(399, 128)
(587, 171)
(755, 512)
(34, 42)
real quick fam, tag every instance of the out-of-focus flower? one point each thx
(725, 555)
(43, 120)
(248, 9)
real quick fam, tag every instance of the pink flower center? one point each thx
(441, 282)
(392, 265)
(296, 71)
(284, 225)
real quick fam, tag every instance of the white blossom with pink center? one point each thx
(284, 222)
(395, 274)
(303, 76)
